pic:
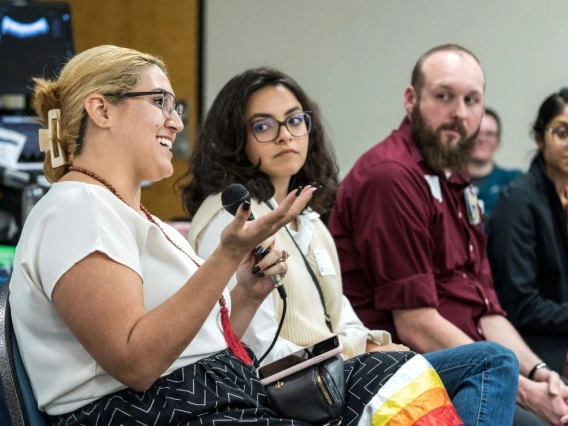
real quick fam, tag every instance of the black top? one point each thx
(528, 252)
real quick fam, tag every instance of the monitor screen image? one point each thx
(23, 131)
(7, 254)
(35, 41)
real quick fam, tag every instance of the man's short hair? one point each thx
(417, 80)
(491, 112)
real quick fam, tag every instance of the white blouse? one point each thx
(70, 222)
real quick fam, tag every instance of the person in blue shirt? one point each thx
(487, 178)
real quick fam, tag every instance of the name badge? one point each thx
(434, 184)
(472, 206)
(323, 260)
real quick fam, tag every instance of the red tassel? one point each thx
(234, 343)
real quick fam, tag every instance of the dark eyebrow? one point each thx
(562, 123)
(264, 115)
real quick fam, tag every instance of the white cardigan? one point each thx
(305, 319)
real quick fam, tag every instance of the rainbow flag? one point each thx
(413, 396)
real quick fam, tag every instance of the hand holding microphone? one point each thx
(236, 195)
(244, 233)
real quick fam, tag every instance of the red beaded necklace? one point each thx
(234, 343)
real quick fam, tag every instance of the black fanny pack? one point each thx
(315, 395)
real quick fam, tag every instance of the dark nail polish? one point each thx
(246, 205)
(256, 269)
(314, 184)
(299, 191)
(258, 250)
(261, 274)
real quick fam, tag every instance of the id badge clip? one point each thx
(472, 206)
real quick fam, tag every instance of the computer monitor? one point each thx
(35, 40)
(19, 138)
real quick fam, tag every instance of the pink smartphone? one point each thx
(299, 360)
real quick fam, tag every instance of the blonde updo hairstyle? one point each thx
(104, 70)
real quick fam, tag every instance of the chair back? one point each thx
(4, 415)
(20, 399)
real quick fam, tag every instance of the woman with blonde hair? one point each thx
(118, 320)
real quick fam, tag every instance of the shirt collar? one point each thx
(405, 130)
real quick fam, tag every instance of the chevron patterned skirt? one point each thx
(222, 390)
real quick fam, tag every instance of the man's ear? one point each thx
(97, 107)
(409, 100)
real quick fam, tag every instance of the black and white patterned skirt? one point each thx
(221, 390)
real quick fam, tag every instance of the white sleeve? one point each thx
(209, 238)
(261, 330)
(353, 331)
(86, 224)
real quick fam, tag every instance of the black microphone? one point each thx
(233, 196)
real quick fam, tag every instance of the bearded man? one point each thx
(408, 231)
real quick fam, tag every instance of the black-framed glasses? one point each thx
(559, 135)
(167, 101)
(267, 129)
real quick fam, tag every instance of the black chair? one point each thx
(4, 415)
(20, 400)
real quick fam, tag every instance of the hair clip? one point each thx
(48, 143)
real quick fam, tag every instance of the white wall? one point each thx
(355, 57)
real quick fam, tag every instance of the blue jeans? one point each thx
(481, 379)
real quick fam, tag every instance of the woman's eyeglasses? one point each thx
(559, 135)
(267, 129)
(166, 100)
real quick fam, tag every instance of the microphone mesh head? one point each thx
(233, 196)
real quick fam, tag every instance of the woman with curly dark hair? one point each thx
(265, 133)
(220, 157)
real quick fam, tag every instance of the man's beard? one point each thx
(439, 156)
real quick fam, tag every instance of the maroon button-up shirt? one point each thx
(405, 241)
